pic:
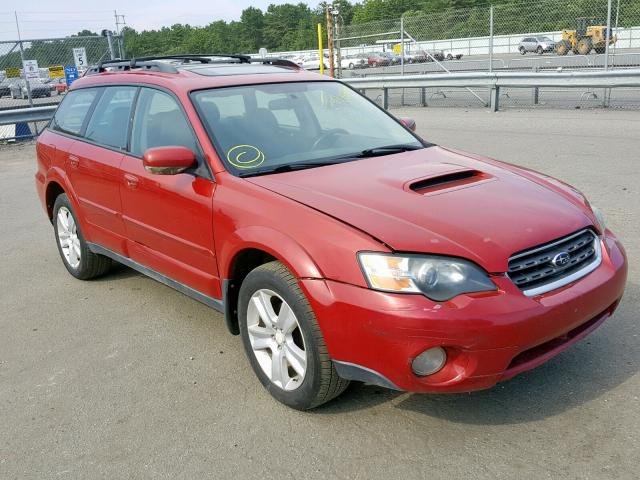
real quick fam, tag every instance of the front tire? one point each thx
(540, 50)
(522, 50)
(76, 256)
(563, 47)
(283, 341)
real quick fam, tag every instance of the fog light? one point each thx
(429, 362)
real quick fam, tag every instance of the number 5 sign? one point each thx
(80, 58)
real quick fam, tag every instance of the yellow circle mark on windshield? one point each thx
(245, 156)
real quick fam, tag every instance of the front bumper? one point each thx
(489, 337)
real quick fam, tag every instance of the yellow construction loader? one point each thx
(590, 35)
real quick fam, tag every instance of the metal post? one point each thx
(423, 97)
(112, 51)
(402, 44)
(26, 80)
(495, 99)
(491, 39)
(536, 95)
(607, 36)
(385, 98)
(606, 49)
(320, 49)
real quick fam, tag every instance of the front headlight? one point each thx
(439, 278)
(600, 218)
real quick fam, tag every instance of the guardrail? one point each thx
(490, 81)
(496, 80)
(26, 115)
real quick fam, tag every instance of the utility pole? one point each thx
(120, 21)
(336, 17)
(329, 42)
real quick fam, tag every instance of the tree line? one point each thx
(293, 27)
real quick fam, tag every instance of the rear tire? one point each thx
(540, 50)
(272, 335)
(76, 256)
(523, 50)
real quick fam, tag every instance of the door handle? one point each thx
(74, 161)
(131, 180)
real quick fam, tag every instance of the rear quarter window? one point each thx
(71, 113)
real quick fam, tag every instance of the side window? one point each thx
(72, 111)
(159, 122)
(109, 122)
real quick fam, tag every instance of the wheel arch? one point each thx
(255, 246)
(53, 191)
(57, 183)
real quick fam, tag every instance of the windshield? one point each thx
(260, 128)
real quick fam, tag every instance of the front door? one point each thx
(169, 218)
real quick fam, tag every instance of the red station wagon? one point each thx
(337, 243)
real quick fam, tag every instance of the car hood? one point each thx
(439, 201)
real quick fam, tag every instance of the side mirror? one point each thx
(168, 160)
(410, 123)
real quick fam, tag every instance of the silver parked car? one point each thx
(538, 45)
(38, 89)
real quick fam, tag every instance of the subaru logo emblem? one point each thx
(561, 259)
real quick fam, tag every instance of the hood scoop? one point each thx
(455, 179)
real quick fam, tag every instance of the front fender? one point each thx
(275, 243)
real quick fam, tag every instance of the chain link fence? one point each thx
(521, 36)
(541, 34)
(38, 72)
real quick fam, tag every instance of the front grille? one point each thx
(555, 264)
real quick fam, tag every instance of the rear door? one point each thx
(93, 165)
(169, 218)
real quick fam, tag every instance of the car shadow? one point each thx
(117, 272)
(591, 368)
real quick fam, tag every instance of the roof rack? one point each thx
(156, 63)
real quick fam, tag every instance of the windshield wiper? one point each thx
(289, 167)
(370, 152)
(388, 150)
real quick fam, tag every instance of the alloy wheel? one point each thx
(68, 237)
(276, 339)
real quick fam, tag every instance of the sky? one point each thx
(39, 19)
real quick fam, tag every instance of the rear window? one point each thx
(72, 112)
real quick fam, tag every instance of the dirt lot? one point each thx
(125, 378)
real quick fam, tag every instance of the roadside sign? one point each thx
(262, 52)
(13, 72)
(56, 71)
(31, 71)
(70, 74)
(80, 58)
(397, 49)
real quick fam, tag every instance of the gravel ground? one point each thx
(123, 377)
